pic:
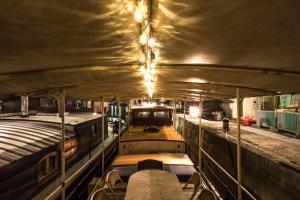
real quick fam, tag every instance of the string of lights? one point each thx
(142, 15)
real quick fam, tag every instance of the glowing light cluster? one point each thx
(148, 43)
(149, 104)
(194, 112)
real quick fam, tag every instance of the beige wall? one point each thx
(250, 105)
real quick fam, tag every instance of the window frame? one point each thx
(165, 116)
(47, 169)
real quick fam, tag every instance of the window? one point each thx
(47, 102)
(52, 163)
(94, 129)
(89, 104)
(70, 147)
(161, 114)
(142, 114)
(47, 165)
(42, 168)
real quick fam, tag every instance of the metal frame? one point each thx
(200, 135)
(62, 142)
(238, 146)
(184, 108)
(227, 174)
(102, 131)
(119, 129)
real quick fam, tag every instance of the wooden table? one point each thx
(154, 185)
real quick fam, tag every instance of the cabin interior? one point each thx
(149, 100)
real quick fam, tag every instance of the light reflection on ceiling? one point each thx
(250, 44)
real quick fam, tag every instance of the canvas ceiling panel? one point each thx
(43, 80)
(256, 79)
(40, 34)
(245, 33)
(206, 88)
(95, 91)
(49, 44)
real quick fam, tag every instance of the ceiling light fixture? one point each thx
(150, 54)
(138, 15)
(143, 39)
(151, 42)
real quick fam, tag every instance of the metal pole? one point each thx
(226, 173)
(102, 127)
(62, 144)
(129, 113)
(239, 174)
(119, 129)
(112, 118)
(200, 135)
(24, 105)
(275, 112)
(173, 114)
(183, 129)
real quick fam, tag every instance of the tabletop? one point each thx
(154, 184)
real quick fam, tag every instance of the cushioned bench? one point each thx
(183, 172)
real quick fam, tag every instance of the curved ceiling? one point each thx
(91, 48)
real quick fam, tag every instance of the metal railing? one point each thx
(226, 173)
(69, 179)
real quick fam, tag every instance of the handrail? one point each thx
(219, 180)
(72, 176)
(226, 173)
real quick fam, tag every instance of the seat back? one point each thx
(195, 179)
(112, 178)
(150, 164)
(206, 194)
(99, 195)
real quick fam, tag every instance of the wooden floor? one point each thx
(166, 158)
(165, 133)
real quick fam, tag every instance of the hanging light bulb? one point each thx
(151, 42)
(143, 39)
(138, 15)
(156, 53)
(142, 59)
(129, 6)
(153, 65)
(150, 92)
(142, 69)
(147, 75)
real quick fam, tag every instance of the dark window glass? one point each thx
(42, 168)
(161, 114)
(94, 129)
(52, 160)
(142, 114)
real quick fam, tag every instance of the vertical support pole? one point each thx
(173, 114)
(183, 129)
(62, 143)
(239, 174)
(129, 113)
(102, 131)
(119, 129)
(93, 107)
(200, 135)
(24, 105)
(275, 111)
(111, 111)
